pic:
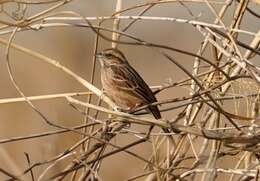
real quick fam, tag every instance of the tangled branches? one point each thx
(214, 122)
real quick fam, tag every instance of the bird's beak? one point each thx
(98, 55)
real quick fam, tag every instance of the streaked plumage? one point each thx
(123, 84)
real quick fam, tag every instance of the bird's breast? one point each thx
(118, 90)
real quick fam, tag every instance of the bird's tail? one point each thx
(155, 111)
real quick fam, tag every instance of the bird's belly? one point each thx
(123, 99)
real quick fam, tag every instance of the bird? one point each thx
(124, 85)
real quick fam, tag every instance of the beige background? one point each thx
(73, 48)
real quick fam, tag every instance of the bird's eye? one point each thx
(109, 55)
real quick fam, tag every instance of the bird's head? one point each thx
(111, 56)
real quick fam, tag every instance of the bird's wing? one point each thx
(129, 80)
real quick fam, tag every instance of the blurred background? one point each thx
(73, 47)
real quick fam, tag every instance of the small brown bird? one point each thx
(123, 84)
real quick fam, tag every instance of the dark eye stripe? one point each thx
(115, 58)
(109, 55)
